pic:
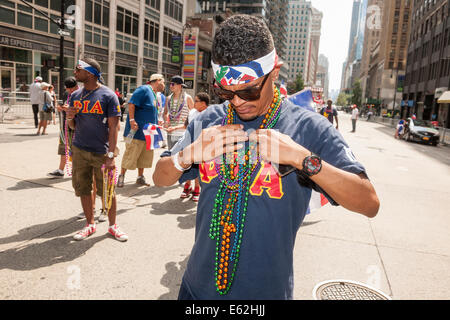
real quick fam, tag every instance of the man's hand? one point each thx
(71, 112)
(134, 125)
(110, 164)
(278, 148)
(213, 142)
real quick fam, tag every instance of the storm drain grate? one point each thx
(346, 290)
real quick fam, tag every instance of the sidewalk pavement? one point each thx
(404, 251)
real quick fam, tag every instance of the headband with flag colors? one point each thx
(85, 66)
(246, 72)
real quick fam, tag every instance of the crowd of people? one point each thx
(248, 213)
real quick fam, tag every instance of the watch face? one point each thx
(312, 165)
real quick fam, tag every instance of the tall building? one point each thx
(388, 58)
(299, 26)
(372, 33)
(322, 78)
(356, 42)
(314, 43)
(130, 39)
(274, 13)
(428, 62)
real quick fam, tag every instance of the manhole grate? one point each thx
(346, 290)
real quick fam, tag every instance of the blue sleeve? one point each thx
(113, 107)
(329, 144)
(138, 95)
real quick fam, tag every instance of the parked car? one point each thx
(420, 130)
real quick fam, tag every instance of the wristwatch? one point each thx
(312, 165)
(110, 155)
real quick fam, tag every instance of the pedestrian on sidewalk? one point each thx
(45, 109)
(142, 109)
(51, 90)
(355, 114)
(201, 102)
(249, 215)
(330, 112)
(71, 86)
(36, 98)
(176, 111)
(94, 114)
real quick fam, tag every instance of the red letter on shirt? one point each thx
(207, 171)
(267, 179)
(97, 108)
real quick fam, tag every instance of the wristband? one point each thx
(176, 163)
(132, 120)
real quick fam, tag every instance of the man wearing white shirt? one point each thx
(355, 113)
(36, 98)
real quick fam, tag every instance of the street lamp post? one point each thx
(395, 92)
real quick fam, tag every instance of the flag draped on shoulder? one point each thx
(303, 99)
(317, 201)
(153, 135)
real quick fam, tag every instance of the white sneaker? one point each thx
(85, 232)
(81, 216)
(117, 233)
(103, 216)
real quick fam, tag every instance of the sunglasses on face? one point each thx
(249, 94)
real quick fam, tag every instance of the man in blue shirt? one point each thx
(250, 208)
(93, 113)
(142, 109)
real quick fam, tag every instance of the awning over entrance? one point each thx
(445, 98)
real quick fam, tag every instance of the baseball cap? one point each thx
(38, 78)
(178, 80)
(44, 85)
(156, 76)
(70, 82)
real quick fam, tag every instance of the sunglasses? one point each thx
(249, 94)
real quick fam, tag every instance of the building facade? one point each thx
(299, 26)
(428, 62)
(130, 39)
(322, 78)
(314, 44)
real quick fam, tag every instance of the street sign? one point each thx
(63, 33)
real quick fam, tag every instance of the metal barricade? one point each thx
(15, 105)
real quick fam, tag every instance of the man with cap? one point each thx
(176, 110)
(142, 109)
(36, 98)
(94, 113)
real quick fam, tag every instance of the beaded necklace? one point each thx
(175, 114)
(109, 184)
(230, 205)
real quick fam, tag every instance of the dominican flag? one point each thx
(283, 89)
(153, 135)
(317, 201)
(303, 99)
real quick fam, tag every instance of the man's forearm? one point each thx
(113, 132)
(166, 174)
(353, 192)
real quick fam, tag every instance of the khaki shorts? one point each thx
(61, 148)
(85, 165)
(137, 156)
(45, 116)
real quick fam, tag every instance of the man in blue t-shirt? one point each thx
(93, 113)
(250, 209)
(330, 112)
(142, 109)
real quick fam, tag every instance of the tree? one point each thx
(297, 85)
(343, 99)
(356, 93)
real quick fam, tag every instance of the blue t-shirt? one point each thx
(329, 113)
(276, 208)
(145, 111)
(91, 121)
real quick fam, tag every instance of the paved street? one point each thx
(404, 251)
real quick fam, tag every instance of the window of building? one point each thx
(167, 38)
(127, 22)
(151, 31)
(97, 11)
(174, 9)
(156, 4)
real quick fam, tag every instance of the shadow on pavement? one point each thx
(440, 153)
(309, 223)
(57, 228)
(172, 279)
(14, 138)
(37, 183)
(56, 250)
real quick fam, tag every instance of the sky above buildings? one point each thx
(337, 16)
